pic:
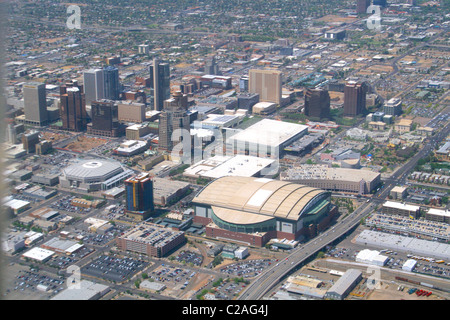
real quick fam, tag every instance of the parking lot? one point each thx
(64, 205)
(113, 268)
(247, 269)
(34, 281)
(190, 258)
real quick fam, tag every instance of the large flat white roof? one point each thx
(400, 205)
(439, 212)
(270, 132)
(38, 254)
(221, 166)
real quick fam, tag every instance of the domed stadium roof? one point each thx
(89, 170)
(246, 200)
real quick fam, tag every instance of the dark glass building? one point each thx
(112, 84)
(159, 83)
(104, 116)
(73, 107)
(355, 98)
(139, 196)
(317, 103)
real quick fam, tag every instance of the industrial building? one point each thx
(399, 243)
(333, 179)
(344, 285)
(409, 265)
(62, 246)
(255, 210)
(151, 239)
(93, 175)
(87, 291)
(39, 254)
(372, 257)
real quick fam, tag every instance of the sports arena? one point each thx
(254, 210)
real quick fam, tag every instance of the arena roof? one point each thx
(259, 198)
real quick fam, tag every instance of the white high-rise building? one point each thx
(94, 85)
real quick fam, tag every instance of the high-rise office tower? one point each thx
(174, 116)
(35, 103)
(159, 83)
(211, 67)
(266, 83)
(104, 119)
(73, 107)
(29, 141)
(94, 85)
(111, 83)
(139, 196)
(355, 98)
(362, 5)
(11, 135)
(317, 103)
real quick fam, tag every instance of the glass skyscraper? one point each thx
(139, 196)
(159, 83)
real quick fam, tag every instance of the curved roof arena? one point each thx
(247, 200)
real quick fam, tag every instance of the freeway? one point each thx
(273, 275)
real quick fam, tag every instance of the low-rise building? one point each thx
(401, 209)
(150, 239)
(344, 285)
(404, 125)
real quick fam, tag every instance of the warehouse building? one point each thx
(39, 254)
(372, 257)
(410, 245)
(409, 265)
(256, 210)
(87, 291)
(333, 179)
(344, 285)
(62, 246)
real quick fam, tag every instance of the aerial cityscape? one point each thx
(226, 150)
